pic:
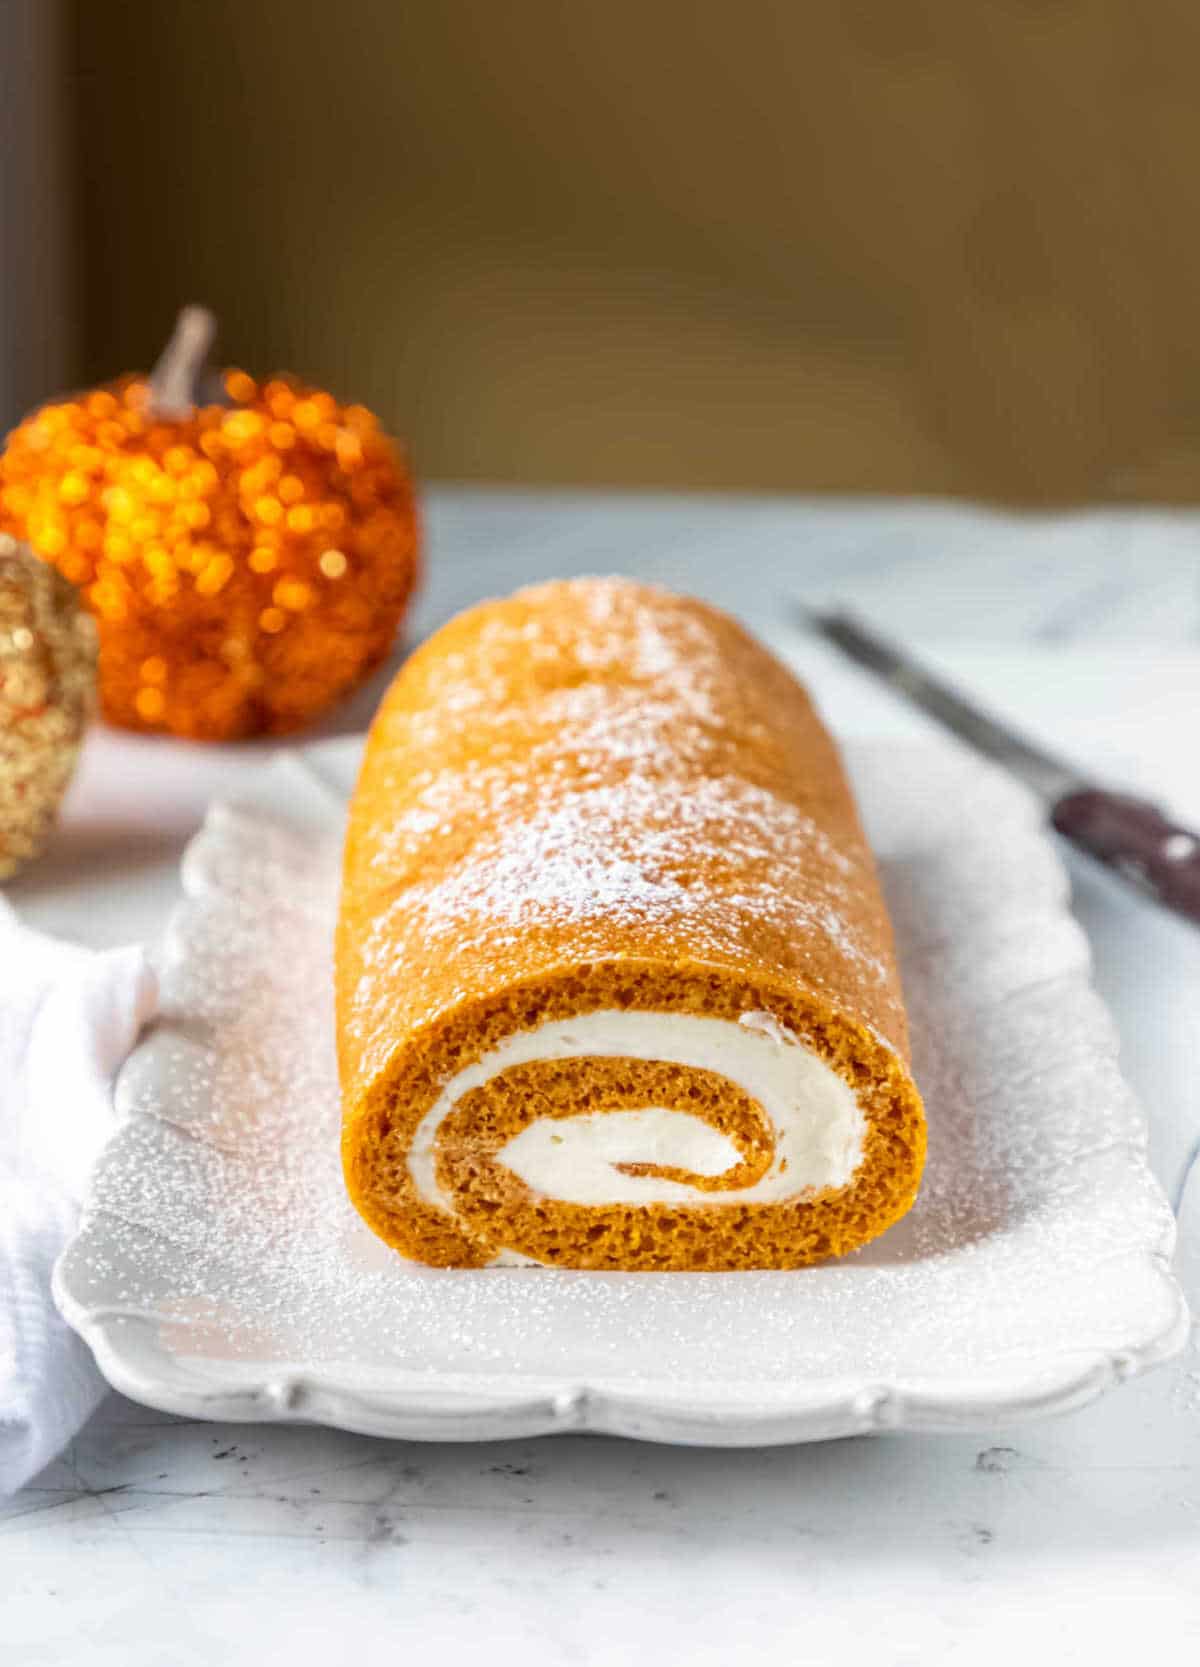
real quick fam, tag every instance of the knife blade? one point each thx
(1131, 836)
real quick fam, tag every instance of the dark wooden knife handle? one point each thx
(1136, 839)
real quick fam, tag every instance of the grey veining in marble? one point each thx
(928, 569)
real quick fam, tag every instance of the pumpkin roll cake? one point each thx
(615, 981)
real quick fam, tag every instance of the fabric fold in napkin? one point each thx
(68, 1017)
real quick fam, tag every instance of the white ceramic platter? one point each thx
(220, 1272)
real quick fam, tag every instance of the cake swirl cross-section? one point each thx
(615, 982)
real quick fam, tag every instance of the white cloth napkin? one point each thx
(68, 1016)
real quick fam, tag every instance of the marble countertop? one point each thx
(160, 1541)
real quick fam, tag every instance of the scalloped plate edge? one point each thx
(435, 1407)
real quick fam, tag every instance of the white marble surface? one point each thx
(160, 1541)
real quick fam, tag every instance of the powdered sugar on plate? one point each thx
(221, 1269)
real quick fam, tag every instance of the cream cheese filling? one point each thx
(818, 1123)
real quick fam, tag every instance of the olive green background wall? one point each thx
(948, 246)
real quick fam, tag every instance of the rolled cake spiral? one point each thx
(615, 982)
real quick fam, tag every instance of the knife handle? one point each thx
(1136, 839)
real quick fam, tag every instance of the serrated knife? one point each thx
(1129, 835)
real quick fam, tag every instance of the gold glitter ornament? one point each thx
(47, 693)
(248, 548)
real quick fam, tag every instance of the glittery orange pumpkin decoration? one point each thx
(247, 548)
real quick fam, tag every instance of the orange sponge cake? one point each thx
(615, 982)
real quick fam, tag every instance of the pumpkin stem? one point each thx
(183, 378)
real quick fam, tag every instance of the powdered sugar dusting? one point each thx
(616, 800)
(628, 854)
(219, 1212)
